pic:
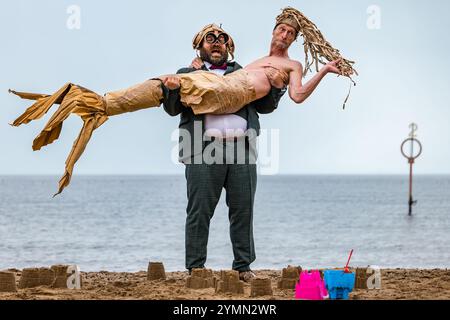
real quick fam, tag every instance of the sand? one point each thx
(395, 284)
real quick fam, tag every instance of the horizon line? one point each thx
(182, 174)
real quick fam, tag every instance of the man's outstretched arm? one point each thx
(299, 92)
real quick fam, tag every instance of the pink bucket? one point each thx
(311, 286)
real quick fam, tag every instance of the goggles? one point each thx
(222, 38)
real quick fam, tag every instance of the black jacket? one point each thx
(173, 106)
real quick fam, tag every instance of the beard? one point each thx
(217, 59)
(280, 45)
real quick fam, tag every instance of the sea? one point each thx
(121, 223)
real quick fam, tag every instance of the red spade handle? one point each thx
(349, 257)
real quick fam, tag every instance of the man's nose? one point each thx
(217, 45)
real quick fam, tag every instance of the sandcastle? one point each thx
(289, 277)
(34, 277)
(229, 282)
(156, 271)
(56, 276)
(261, 287)
(61, 276)
(7, 281)
(200, 279)
(361, 278)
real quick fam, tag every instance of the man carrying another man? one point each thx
(205, 180)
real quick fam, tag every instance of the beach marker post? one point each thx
(411, 157)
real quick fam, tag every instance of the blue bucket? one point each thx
(338, 283)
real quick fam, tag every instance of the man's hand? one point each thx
(333, 67)
(172, 83)
(276, 81)
(197, 63)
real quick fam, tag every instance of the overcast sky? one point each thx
(402, 59)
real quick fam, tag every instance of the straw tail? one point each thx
(77, 100)
(43, 103)
(89, 125)
(93, 109)
(28, 95)
(73, 99)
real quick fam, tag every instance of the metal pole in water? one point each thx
(411, 157)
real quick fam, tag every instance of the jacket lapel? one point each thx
(230, 68)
